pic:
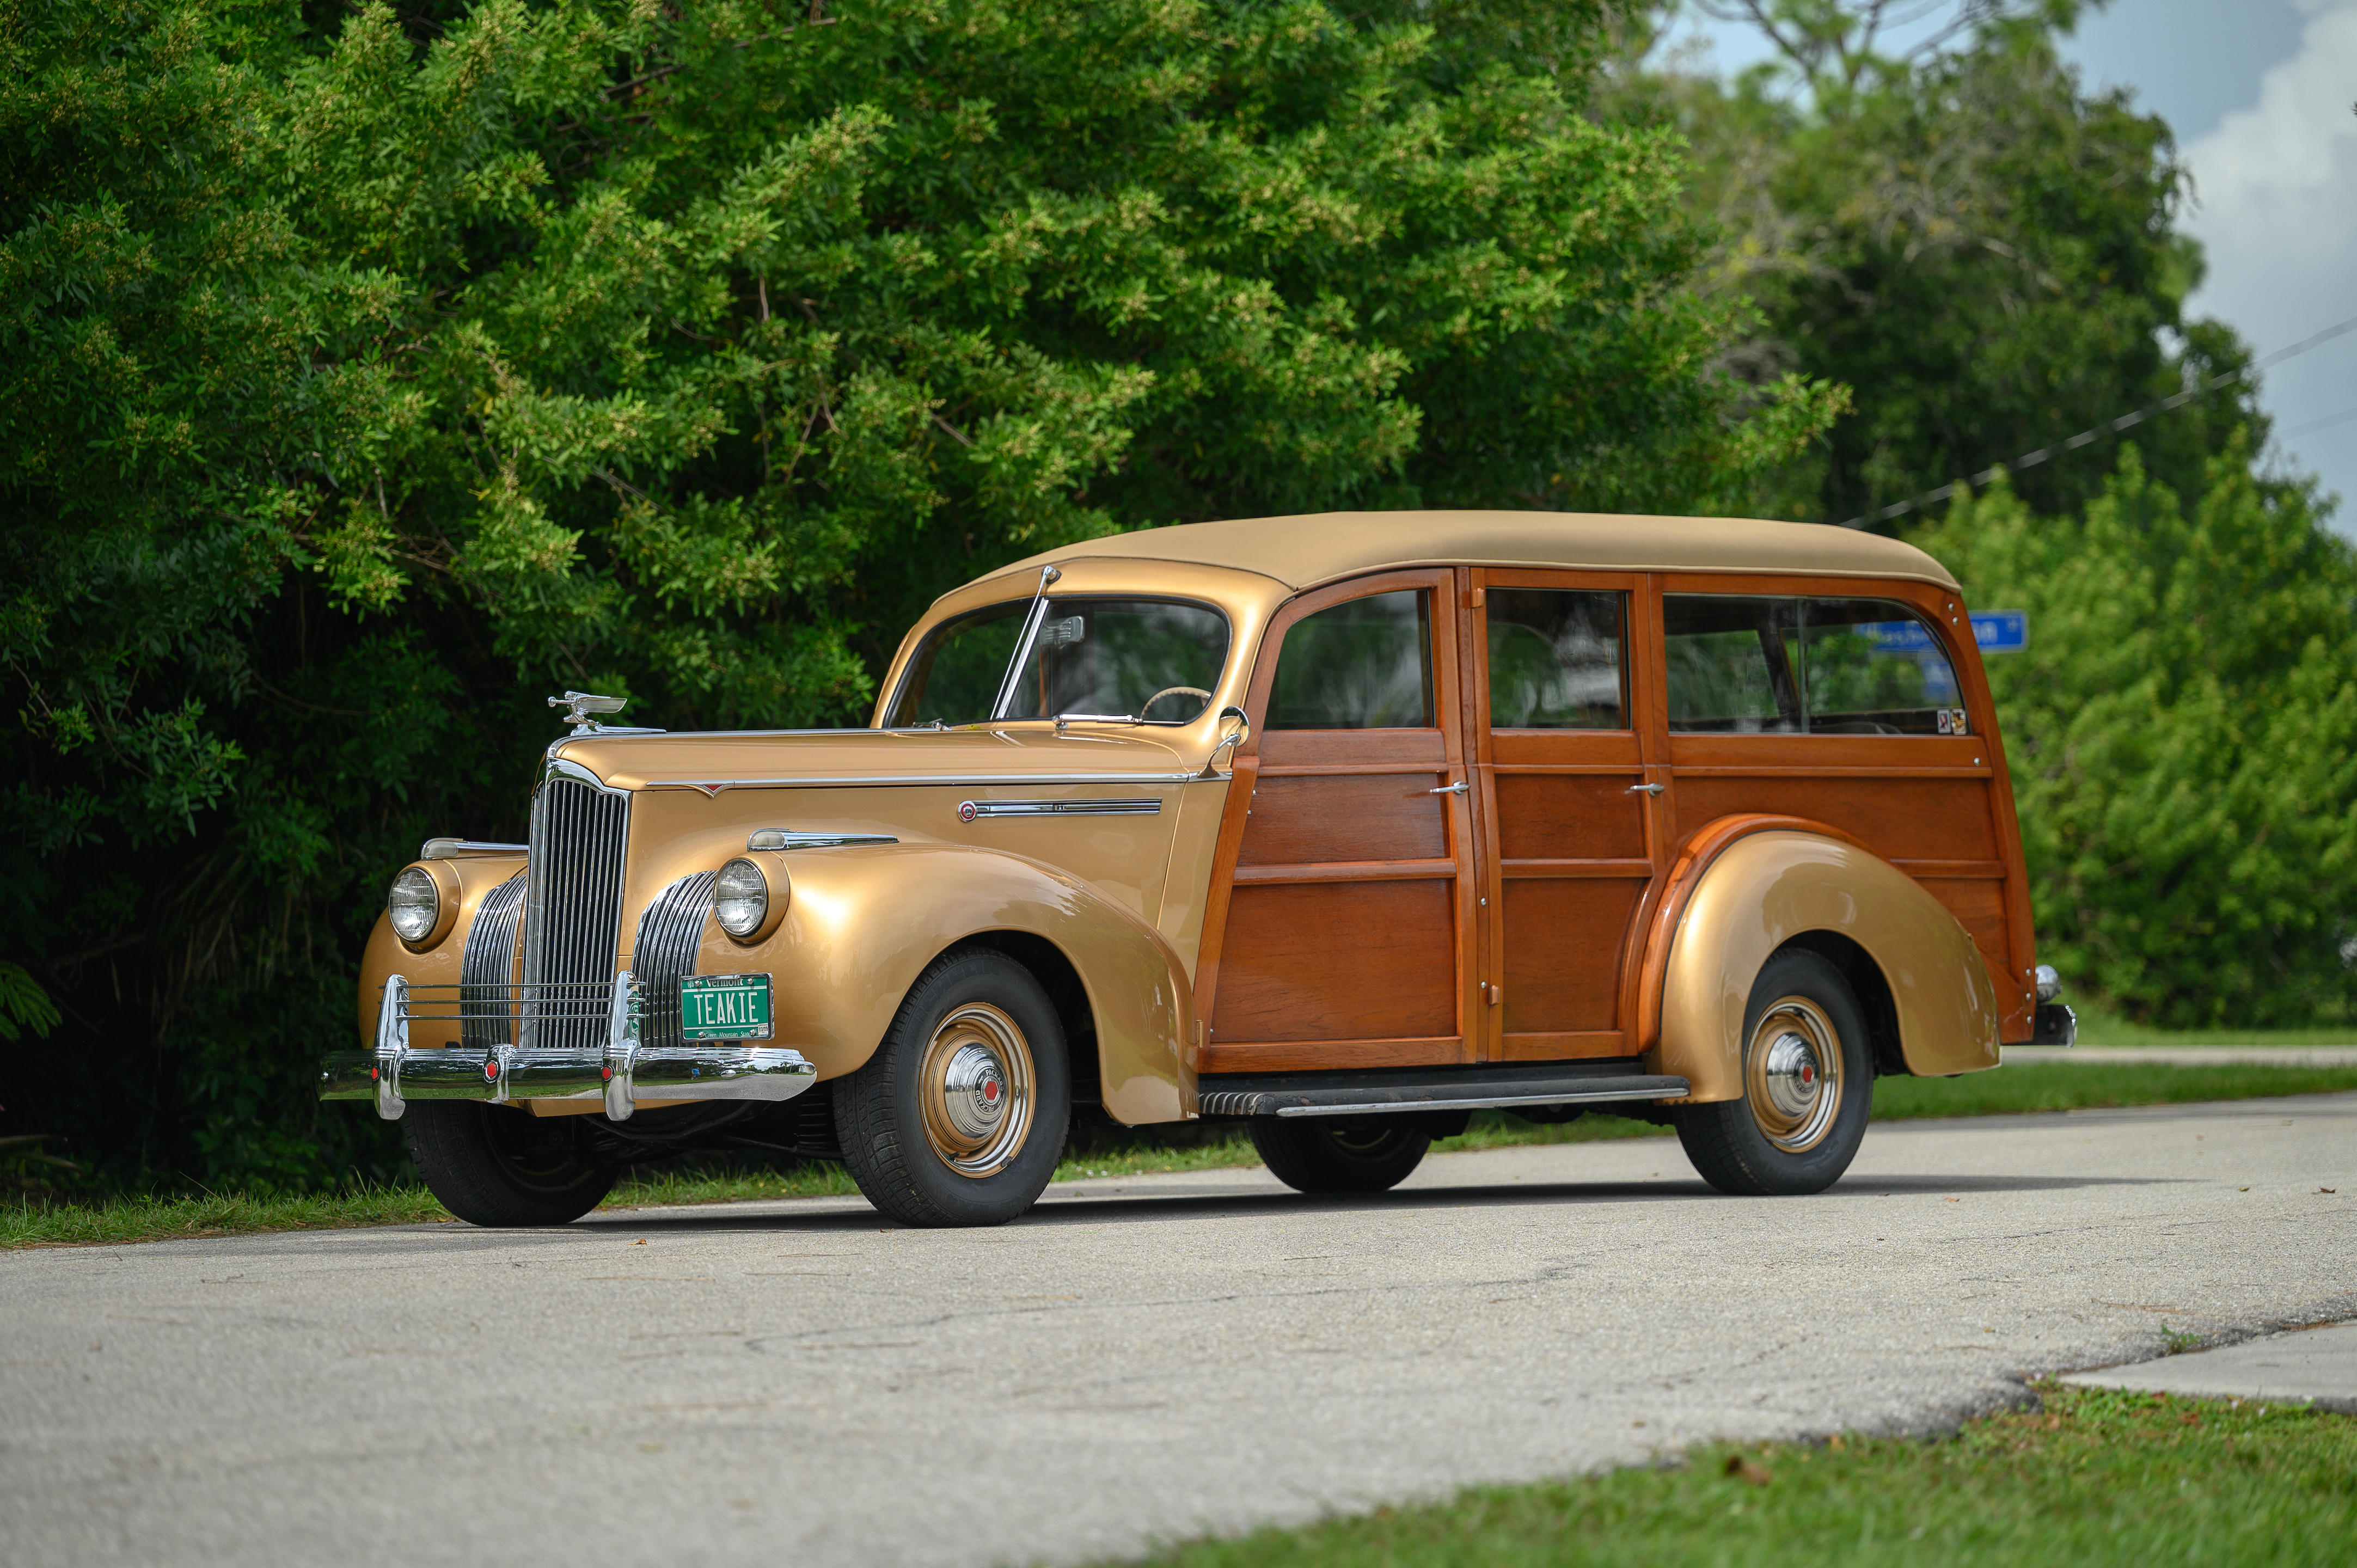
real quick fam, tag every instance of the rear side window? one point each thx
(1362, 664)
(1746, 664)
(1554, 660)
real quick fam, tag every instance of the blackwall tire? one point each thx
(500, 1166)
(1338, 1153)
(1808, 1080)
(960, 1116)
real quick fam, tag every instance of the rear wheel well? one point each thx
(1061, 981)
(1872, 990)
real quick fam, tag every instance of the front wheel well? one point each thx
(1061, 981)
(1869, 984)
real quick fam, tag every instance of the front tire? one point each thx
(960, 1116)
(496, 1166)
(1337, 1155)
(1808, 1088)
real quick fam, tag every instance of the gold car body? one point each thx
(1152, 902)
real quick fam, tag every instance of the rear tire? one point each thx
(960, 1116)
(1808, 1081)
(496, 1166)
(1338, 1153)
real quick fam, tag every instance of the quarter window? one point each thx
(1362, 664)
(1774, 665)
(1554, 660)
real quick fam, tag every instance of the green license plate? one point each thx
(724, 1007)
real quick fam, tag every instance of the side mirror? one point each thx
(1238, 731)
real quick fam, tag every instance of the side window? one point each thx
(1875, 667)
(1362, 664)
(1556, 661)
(1731, 664)
(1758, 665)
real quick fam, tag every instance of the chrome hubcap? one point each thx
(1793, 1074)
(974, 1090)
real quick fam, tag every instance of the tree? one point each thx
(1984, 254)
(361, 379)
(2183, 733)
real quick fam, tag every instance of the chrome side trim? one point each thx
(782, 838)
(1672, 1090)
(450, 848)
(1137, 806)
(946, 781)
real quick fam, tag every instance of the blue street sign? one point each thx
(2001, 631)
(1996, 631)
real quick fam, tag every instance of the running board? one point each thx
(1443, 1090)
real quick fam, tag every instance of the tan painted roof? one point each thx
(1302, 552)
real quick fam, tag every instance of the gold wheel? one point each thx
(974, 1087)
(1793, 1074)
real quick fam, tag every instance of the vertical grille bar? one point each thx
(668, 934)
(578, 836)
(487, 968)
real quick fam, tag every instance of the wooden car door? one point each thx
(1341, 928)
(1571, 805)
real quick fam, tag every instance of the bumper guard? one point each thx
(395, 1072)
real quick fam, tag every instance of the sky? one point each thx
(2260, 95)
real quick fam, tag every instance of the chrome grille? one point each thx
(669, 933)
(487, 968)
(573, 913)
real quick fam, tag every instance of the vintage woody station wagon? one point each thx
(1343, 826)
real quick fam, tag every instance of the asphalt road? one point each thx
(799, 1383)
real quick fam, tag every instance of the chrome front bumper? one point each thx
(395, 1072)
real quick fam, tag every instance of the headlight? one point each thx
(740, 900)
(414, 904)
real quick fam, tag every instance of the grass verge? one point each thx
(2098, 1026)
(2041, 1087)
(2094, 1478)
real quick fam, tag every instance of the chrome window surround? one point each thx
(946, 781)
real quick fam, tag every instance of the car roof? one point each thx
(1320, 547)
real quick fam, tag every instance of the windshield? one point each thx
(1154, 660)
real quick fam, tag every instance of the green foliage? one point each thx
(2183, 733)
(366, 373)
(1985, 253)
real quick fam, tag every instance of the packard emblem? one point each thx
(968, 810)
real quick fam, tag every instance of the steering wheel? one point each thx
(1172, 692)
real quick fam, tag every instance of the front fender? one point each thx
(1750, 888)
(861, 924)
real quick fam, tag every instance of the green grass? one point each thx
(2041, 1087)
(2095, 1478)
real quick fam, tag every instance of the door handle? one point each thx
(1459, 787)
(1644, 789)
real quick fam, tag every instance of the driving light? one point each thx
(740, 899)
(414, 904)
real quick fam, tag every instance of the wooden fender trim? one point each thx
(1746, 885)
(862, 923)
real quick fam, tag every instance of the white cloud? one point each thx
(2278, 190)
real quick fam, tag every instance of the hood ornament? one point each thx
(580, 705)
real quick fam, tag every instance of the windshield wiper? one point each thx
(1023, 642)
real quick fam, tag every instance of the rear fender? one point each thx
(1746, 887)
(861, 924)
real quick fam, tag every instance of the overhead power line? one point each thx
(2111, 427)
